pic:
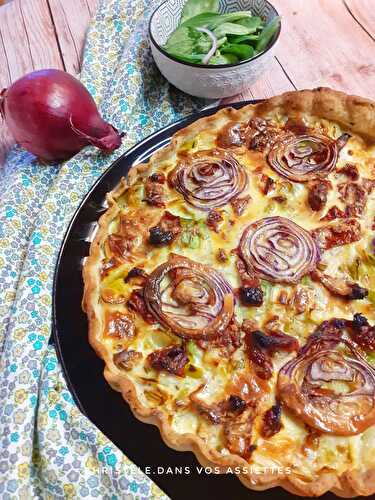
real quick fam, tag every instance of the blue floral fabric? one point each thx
(48, 448)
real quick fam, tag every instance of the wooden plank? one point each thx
(92, 6)
(6, 139)
(71, 19)
(5, 77)
(363, 13)
(322, 45)
(28, 43)
(16, 45)
(272, 83)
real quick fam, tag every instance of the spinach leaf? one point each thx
(242, 38)
(252, 23)
(242, 51)
(204, 19)
(230, 29)
(193, 59)
(212, 20)
(219, 58)
(194, 7)
(221, 41)
(267, 34)
(188, 41)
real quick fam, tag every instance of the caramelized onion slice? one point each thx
(330, 386)
(278, 250)
(209, 179)
(192, 300)
(304, 157)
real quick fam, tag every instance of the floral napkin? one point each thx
(48, 448)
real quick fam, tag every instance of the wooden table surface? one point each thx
(323, 43)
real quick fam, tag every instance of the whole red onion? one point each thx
(52, 115)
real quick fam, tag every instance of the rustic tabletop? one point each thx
(323, 43)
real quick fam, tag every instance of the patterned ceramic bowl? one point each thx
(200, 80)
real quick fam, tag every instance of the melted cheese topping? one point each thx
(353, 261)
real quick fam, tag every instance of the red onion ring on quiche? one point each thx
(305, 157)
(209, 179)
(277, 249)
(192, 300)
(329, 388)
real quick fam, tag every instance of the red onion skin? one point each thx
(52, 115)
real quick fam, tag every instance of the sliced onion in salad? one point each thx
(211, 52)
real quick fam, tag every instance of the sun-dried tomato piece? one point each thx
(214, 218)
(166, 231)
(363, 333)
(137, 303)
(170, 359)
(137, 276)
(334, 213)
(221, 255)
(260, 134)
(239, 204)
(350, 170)
(271, 421)
(154, 192)
(318, 193)
(337, 234)
(129, 238)
(157, 177)
(260, 347)
(251, 296)
(170, 222)
(266, 184)
(228, 341)
(355, 198)
(218, 412)
(300, 300)
(230, 135)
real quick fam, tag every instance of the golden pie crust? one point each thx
(341, 464)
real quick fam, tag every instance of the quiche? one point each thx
(230, 291)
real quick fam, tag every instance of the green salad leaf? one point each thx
(251, 23)
(200, 20)
(226, 38)
(194, 7)
(231, 29)
(243, 38)
(241, 50)
(267, 34)
(212, 20)
(189, 45)
(219, 58)
(188, 41)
